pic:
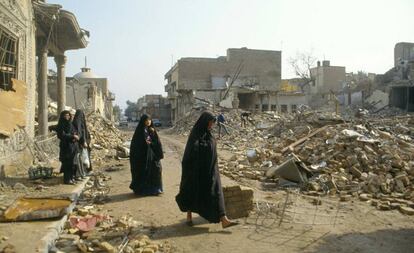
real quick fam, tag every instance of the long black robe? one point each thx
(79, 124)
(79, 121)
(146, 170)
(67, 146)
(200, 188)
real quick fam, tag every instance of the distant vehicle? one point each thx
(123, 123)
(156, 122)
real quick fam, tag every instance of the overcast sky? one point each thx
(134, 42)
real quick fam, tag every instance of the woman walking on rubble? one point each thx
(200, 188)
(68, 146)
(79, 124)
(145, 155)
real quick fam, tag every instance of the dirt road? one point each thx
(364, 229)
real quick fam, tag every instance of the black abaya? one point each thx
(200, 188)
(68, 146)
(146, 170)
(79, 122)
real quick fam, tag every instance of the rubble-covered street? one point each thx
(354, 190)
(206, 126)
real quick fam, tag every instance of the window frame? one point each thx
(6, 50)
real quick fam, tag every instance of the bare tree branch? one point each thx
(302, 64)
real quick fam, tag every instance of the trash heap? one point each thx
(88, 229)
(106, 138)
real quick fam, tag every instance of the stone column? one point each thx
(42, 117)
(61, 82)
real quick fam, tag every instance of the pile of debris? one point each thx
(106, 138)
(365, 161)
(366, 156)
(88, 229)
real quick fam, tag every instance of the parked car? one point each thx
(156, 122)
(123, 123)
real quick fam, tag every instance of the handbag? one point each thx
(84, 157)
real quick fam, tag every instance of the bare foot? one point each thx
(226, 223)
(189, 221)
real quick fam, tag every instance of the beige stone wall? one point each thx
(197, 74)
(238, 201)
(264, 64)
(261, 68)
(327, 78)
(83, 89)
(16, 17)
(404, 51)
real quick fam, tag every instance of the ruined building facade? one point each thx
(245, 78)
(86, 91)
(327, 80)
(31, 31)
(157, 106)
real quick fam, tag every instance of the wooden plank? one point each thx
(302, 140)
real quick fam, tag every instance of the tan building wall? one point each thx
(261, 69)
(91, 95)
(16, 18)
(265, 65)
(327, 78)
(403, 51)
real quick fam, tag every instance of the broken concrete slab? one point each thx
(289, 170)
(25, 209)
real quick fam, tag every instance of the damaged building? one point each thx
(327, 81)
(398, 82)
(245, 78)
(157, 106)
(86, 91)
(30, 33)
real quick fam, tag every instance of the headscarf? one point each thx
(63, 125)
(199, 130)
(138, 144)
(79, 122)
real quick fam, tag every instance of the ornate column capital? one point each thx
(60, 60)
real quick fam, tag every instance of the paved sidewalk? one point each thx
(38, 236)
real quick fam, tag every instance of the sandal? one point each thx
(231, 224)
(189, 223)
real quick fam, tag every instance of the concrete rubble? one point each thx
(238, 201)
(90, 229)
(106, 139)
(370, 157)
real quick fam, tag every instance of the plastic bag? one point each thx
(85, 158)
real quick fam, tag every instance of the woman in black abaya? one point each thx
(79, 123)
(200, 188)
(145, 155)
(68, 146)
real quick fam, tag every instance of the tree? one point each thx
(117, 112)
(131, 112)
(302, 64)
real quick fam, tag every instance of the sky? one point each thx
(135, 42)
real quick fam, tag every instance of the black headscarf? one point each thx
(138, 143)
(65, 132)
(63, 125)
(199, 130)
(79, 122)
